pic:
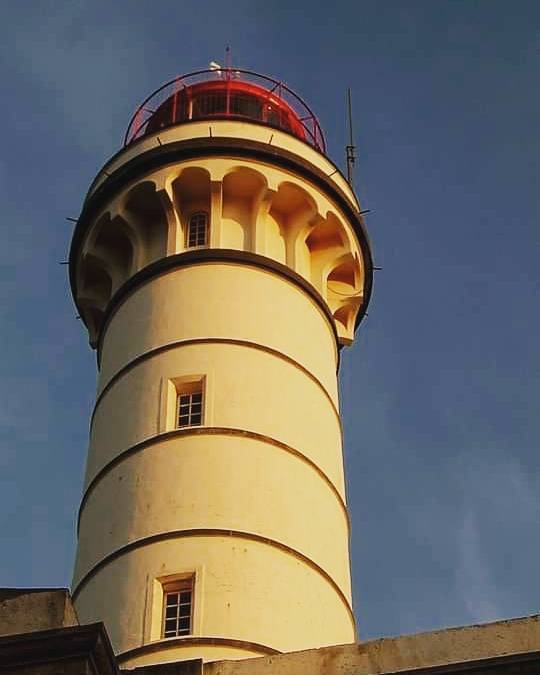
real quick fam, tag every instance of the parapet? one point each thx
(23, 610)
(502, 647)
(50, 641)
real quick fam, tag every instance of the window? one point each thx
(246, 105)
(211, 103)
(189, 412)
(178, 608)
(185, 401)
(197, 234)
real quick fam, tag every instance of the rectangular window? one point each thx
(178, 608)
(197, 230)
(189, 411)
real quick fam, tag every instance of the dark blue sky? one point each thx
(441, 390)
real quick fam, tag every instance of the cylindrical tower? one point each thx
(219, 263)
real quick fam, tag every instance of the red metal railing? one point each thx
(227, 93)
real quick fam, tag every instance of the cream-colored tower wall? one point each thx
(252, 502)
(271, 468)
(231, 297)
(243, 389)
(304, 519)
(296, 606)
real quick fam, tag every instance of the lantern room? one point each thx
(226, 94)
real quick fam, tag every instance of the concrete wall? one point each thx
(23, 610)
(406, 652)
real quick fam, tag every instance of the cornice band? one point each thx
(206, 431)
(172, 643)
(209, 256)
(212, 532)
(209, 340)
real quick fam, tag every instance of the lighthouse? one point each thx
(220, 264)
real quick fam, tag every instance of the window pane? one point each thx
(178, 609)
(210, 103)
(244, 104)
(190, 409)
(170, 624)
(197, 229)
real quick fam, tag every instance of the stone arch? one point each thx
(342, 275)
(344, 292)
(95, 291)
(243, 191)
(95, 280)
(326, 241)
(326, 235)
(291, 210)
(93, 318)
(344, 317)
(111, 242)
(191, 193)
(145, 209)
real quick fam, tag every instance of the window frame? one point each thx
(195, 389)
(197, 214)
(178, 586)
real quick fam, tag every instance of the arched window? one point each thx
(197, 234)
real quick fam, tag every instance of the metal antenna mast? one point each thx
(350, 148)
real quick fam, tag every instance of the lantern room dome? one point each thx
(226, 94)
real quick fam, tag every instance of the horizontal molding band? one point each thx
(190, 640)
(212, 532)
(204, 256)
(206, 431)
(210, 340)
(177, 151)
(108, 168)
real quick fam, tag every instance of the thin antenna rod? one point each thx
(228, 63)
(350, 148)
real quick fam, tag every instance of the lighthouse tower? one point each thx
(220, 263)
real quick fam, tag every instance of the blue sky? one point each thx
(441, 390)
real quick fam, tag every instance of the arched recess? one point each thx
(95, 290)
(344, 292)
(191, 194)
(325, 242)
(242, 192)
(342, 277)
(110, 242)
(146, 212)
(93, 318)
(291, 210)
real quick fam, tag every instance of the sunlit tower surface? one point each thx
(220, 263)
